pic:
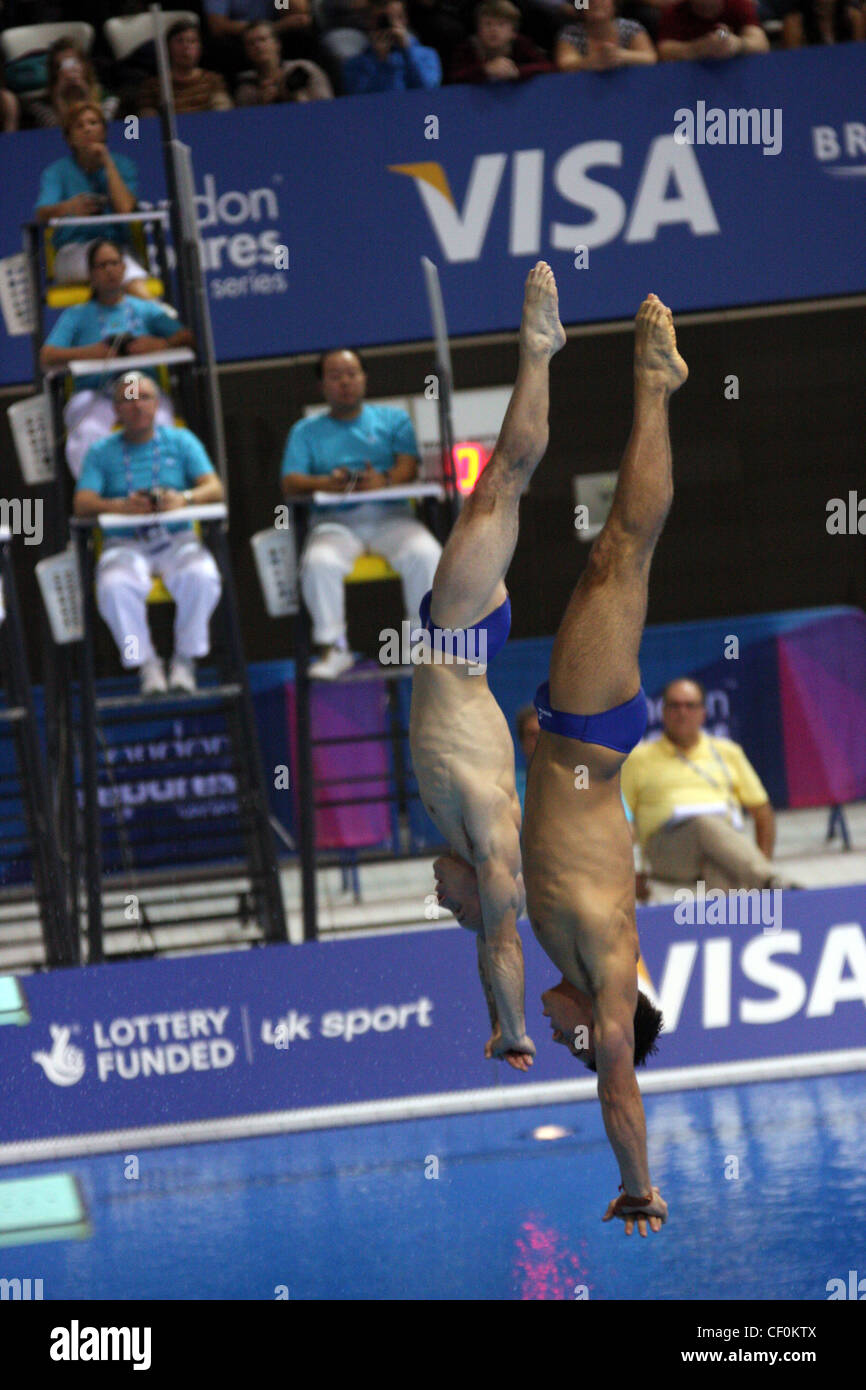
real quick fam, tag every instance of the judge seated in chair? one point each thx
(109, 325)
(361, 449)
(141, 469)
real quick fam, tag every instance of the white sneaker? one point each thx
(181, 675)
(152, 677)
(330, 667)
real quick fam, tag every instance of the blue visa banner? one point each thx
(715, 184)
(149, 1043)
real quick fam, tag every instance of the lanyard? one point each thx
(706, 776)
(111, 373)
(147, 533)
(125, 313)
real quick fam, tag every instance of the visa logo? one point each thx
(786, 988)
(670, 191)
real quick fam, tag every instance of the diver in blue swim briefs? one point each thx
(462, 749)
(577, 850)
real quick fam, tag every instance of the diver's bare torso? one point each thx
(578, 865)
(462, 754)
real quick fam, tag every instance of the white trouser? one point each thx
(88, 416)
(333, 547)
(70, 264)
(124, 577)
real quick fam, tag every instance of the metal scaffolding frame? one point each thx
(76, 713)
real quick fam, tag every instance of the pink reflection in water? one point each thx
(544, 1265)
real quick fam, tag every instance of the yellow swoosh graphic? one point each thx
(430, 173)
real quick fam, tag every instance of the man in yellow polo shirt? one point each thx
(688, 791)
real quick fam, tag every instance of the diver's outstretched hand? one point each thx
(630, 1209)
(520, 1058)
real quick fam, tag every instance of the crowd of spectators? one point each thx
(258, 52)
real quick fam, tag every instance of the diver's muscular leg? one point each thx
(469, 581)
(487, 898)
(500, 957)
(594, 665)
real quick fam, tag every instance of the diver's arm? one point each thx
(614, 1004)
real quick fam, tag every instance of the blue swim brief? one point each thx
(457, 641)
(620, 728)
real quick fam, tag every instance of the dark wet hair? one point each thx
(647, 1026)
(320, 365)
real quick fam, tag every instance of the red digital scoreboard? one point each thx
(469, 463)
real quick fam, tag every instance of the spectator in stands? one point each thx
(142, 469)
(344, 25)
(273, 79)
(528, 730)
(542, 20)
(10, 110)
(71, 79)
(360, 448)
(194, 88)
(687, 790)
(393, 60)
(109, 325)
(497, 52)
(603, 41)
(823, 21)
(293, 26)
(86, 183)
(228, 21)
(710, 29)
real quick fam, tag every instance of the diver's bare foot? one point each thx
(540, 329)
(657, 364)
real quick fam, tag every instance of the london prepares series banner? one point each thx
(715, 184)
(290, 1027)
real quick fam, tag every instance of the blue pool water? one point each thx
(766, 1186)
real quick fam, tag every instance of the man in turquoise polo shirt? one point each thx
(359, 448)
(138, 470)
(107, 326)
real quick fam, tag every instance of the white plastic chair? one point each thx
(277, 565)
(60, 581)
(30, 422)
(35, 38)
(128, 33)
(16, 295)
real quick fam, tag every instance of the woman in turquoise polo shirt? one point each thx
(85, 183)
